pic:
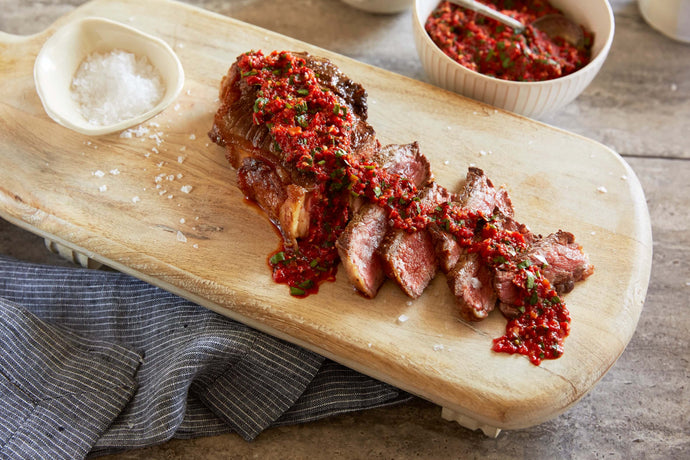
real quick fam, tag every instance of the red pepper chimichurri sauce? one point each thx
(312, 132)
(491, 48)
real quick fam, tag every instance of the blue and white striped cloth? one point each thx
(93, 362)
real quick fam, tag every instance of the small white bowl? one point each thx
(63, 53)
(532, 99)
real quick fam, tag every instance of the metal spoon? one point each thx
(553, 25)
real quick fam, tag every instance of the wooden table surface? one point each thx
(639, 105)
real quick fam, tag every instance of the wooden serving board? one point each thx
(209, 246)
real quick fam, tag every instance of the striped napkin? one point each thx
(94, 362)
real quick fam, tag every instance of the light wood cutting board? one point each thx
(209, 246)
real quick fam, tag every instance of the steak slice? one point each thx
(406, 161)
(480, 195)
(357, 248)
(562, 262)
(410, 258)
(471, 282)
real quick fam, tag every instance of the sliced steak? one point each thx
(471, 282)
(359, 243)
(357, 248)
(479, 195)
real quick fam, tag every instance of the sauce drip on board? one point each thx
(486, 46)
(311, 131)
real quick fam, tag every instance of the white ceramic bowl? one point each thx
(532, 99)
(63, 53)
(670, 17)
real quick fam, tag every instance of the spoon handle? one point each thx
(490, 12)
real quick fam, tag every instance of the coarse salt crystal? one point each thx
(136, 199)
(139, 131)
(98, 173)
(195, 246)
(179, 175)
(602, 189)
(438, 347)
(115, 86)
(115, 172)
(180, 159)
(181, 237)
(192, 136)
(402, 318)
(186, 188)
(103, 188)
(182, 221)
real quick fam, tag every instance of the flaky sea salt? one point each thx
(115, 86)
(181, 238)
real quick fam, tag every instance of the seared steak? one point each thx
(234, 129)
(296, 130)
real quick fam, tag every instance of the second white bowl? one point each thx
(532, 99)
